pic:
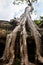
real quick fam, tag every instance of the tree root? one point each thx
(9, 52)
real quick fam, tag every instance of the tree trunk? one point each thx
(9, 52)
(26, 62)
(21, 50)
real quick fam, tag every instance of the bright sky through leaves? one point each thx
(9, 11)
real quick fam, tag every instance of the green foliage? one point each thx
(33, 0)
(21, 1)
(39, 22)
(41, 17)
(16, 62)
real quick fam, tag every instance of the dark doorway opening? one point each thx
(2, 46)
(31, 47)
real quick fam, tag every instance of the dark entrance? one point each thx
(2, 46)
(31, 49)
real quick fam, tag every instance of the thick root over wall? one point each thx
(9, 53)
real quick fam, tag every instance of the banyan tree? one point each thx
(17, 40)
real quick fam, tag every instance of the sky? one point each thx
(8, 10)
(38, 8)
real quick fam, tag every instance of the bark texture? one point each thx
(9, 53)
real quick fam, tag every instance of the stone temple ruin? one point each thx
(21, 39)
